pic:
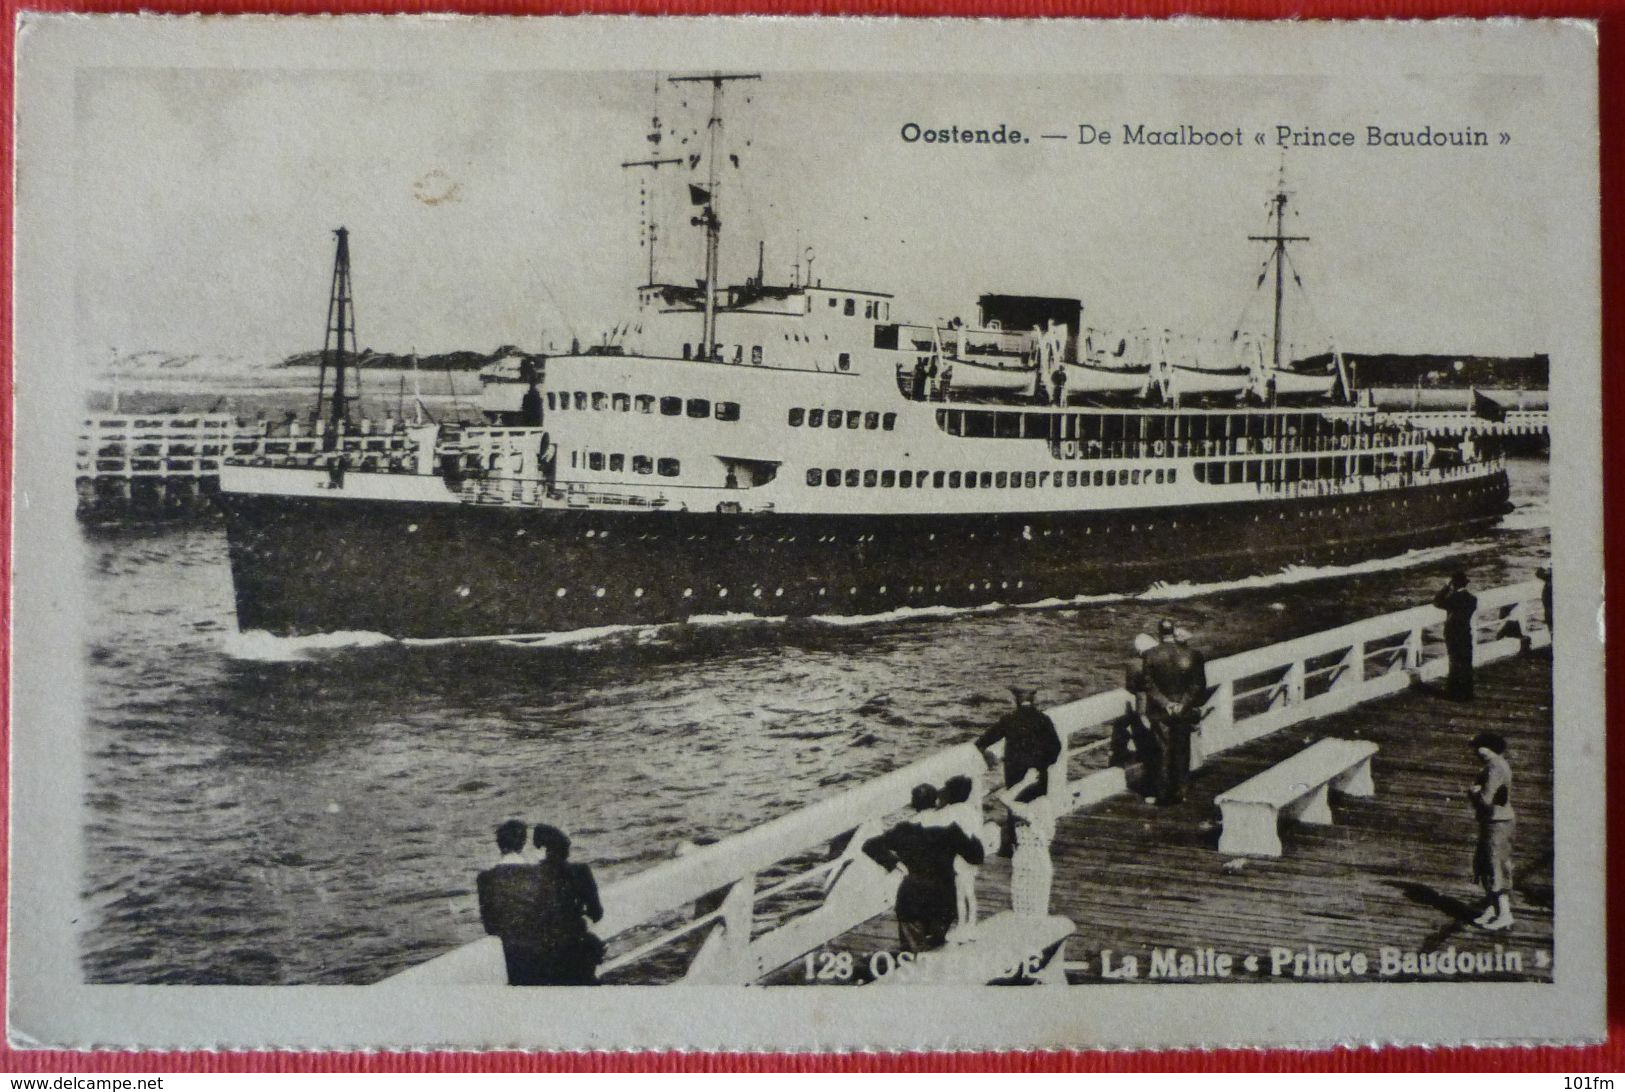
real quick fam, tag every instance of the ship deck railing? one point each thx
(756, 902)
(1072, 447)
(1376, 483)
(1467, 423)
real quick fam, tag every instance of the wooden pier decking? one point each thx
(1393, 870)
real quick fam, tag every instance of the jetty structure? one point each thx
(798, 449)
(1325, 838)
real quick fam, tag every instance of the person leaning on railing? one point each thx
(1030, 743)
(927, 902)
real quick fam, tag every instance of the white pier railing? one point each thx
(735, 911)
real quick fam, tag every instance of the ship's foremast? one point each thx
(710, 218)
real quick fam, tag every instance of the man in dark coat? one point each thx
(1175, 685)
(1459, 606)
(927, 905)
(1132, 739)
(511, 908)
(1545, 576)
(1030, 743)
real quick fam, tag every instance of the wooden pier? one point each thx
(1388, 879)
(1392, 870)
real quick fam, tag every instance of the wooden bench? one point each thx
(1005, 949)
(1297, 787)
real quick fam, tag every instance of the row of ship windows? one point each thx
(1293, 470)
(719, 353)
(872, 309)
(641, 464)
(817, 418)
(985, 479)
(669, 406)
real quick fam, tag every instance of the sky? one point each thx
(491, 208)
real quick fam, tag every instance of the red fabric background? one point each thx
(1606, 1058)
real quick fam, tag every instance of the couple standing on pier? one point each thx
(541, 909)
(939, 849)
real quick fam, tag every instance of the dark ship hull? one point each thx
(304, 565)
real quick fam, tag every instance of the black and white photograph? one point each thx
(824, 534)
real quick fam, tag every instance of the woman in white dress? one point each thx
(1031, 870)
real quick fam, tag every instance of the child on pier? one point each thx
(1491, 797)
(957, 809)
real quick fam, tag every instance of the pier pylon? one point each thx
(340, 326)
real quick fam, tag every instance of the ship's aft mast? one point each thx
(709, 217)
(1280, 239)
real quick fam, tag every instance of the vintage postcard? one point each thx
(807, 534)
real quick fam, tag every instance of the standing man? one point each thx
(1175, 685)
(1545, 576)
(927, 905)
(1491, 797)
(1030, 743)
(1131, 735)
(530, 406)
(1459, 606)
(511, 907)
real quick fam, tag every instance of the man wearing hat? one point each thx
(1030, 743)
(1131, 736)
(1459, 606)
(927, 900)
(511, 900)
(1175, 685)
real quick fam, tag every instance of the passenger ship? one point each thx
(798, 450)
